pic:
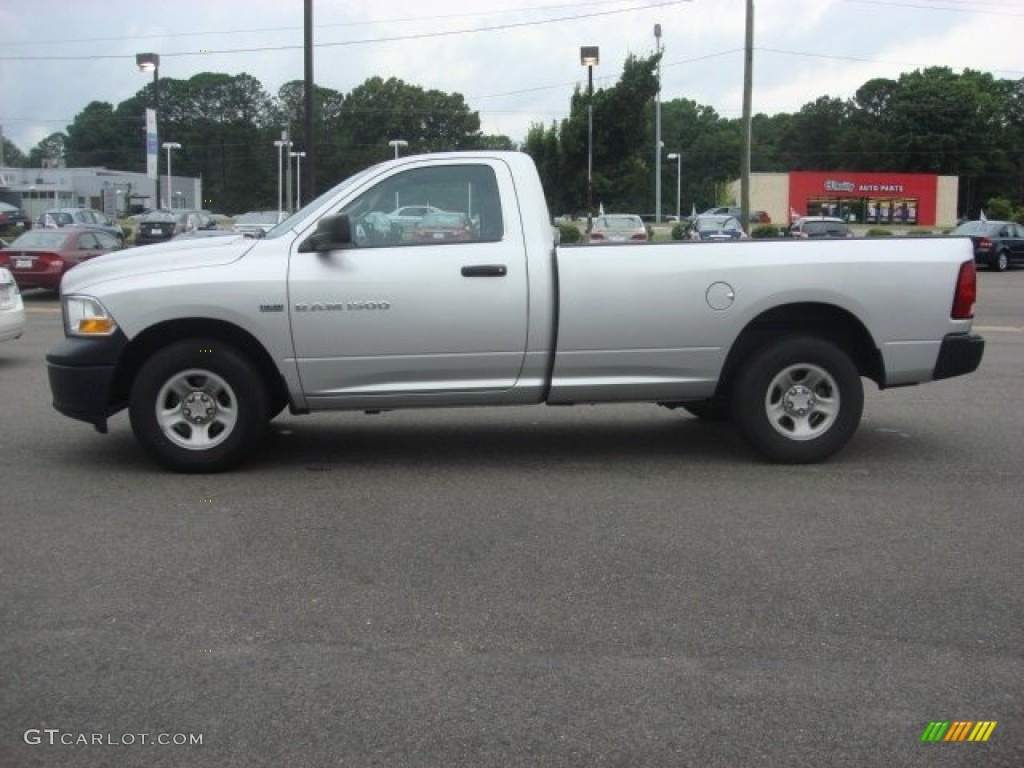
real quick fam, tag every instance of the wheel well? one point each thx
(824, 320)
(143, 346)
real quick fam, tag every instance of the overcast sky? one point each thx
(514, 64)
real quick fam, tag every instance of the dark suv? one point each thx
(996, 243)
(818, 226)
(160, 226)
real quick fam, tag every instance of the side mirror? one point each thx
(332, 233)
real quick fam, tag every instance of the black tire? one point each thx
(798, 400)
(198, 405)
(712, 409)
(1002, 262)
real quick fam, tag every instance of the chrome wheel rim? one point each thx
(802, 402)
(196, 409)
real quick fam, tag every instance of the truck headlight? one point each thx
(85, 316)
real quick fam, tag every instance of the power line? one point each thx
(365, 41)
(972, 6)
(321, 27)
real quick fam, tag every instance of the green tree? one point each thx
(543, 146)
(97, 137)
(378, 111)
(50, 149)
(12, 156)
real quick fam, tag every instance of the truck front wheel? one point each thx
(798, 400)
(198, 405)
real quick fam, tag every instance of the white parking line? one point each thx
(998, 328)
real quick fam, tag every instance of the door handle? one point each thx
(485, 270)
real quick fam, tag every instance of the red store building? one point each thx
(882, 199)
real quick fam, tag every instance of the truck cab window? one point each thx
(429, 206)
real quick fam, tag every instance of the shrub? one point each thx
(128, 232)
(569, 233)
(762, 231)
(999, 209)
(878, 232)
(920, 233)
(678, 231)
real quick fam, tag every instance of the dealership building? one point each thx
(116, 193)
(884, 199)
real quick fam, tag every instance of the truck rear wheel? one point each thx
(798, 400)
(198, 405)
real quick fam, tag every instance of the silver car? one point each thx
(12, 309)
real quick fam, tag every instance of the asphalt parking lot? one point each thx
(607, 586)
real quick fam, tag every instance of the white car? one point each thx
(408, 216)
(12, 309)
(258, 223)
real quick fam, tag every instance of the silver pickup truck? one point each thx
(340, 307)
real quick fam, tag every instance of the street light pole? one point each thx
(150, 62)
(589, 57)
(280, 156)
(396, 143)
(679, 175)
(169, 145)
(657, 129)
(288, 175)
(298, 177)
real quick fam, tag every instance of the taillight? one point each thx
(639, 236)
(596, 236)
(984, 244)
(966, 292)
(5, 260)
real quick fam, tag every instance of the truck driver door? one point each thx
(430, 300)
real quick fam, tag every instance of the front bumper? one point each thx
(959, 354)
(82, 374)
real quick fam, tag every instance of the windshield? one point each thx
(39, 239)
(618, 222)
(292, 221)
(711, 224)
(55, 219)
(974, 228)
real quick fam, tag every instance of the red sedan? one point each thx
(39, 258)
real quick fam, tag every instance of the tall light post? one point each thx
(396, 143)
(288, 173)
(589, 58)
(280, 144)
(657, 129)
(298, 177)
(169, 145)
(150, 62)
(679, 184)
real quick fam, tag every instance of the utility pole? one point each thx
(309, 135)
(748, 87)
(657, 130)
